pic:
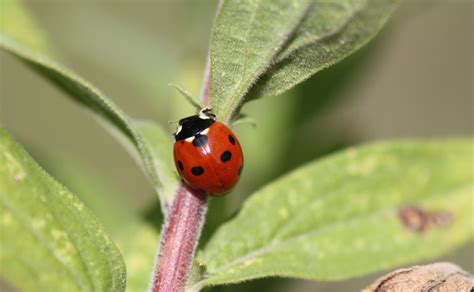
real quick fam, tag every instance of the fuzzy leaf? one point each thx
(161, 150)
(340, 217)
(112, 117)
(247, 36)
(268, 46)
(136, 238)
(50, 240)
(332, 31)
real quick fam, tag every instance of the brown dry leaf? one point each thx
(433, 277)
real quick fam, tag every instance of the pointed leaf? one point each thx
(50, 240)
(331, 31)
(161, 150)
(247, 36)
(113, 118)
(277, 44)
(350, 214)
(196, 103)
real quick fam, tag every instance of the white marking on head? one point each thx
(204, 113)
(205, 131)
(203, 116)
(189, 139)
(179, 129)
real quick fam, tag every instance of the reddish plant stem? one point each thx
(179, 240)
(183, 226)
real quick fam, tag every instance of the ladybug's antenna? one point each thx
(189, 98)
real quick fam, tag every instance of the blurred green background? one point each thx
(414, 80)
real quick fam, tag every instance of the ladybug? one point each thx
(207, 154)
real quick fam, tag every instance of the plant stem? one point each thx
(183, 226)
(179, 240)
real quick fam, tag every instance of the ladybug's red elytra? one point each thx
(207, 154)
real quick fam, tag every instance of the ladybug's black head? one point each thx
(190, 126)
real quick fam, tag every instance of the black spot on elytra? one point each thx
(226, 156)
(180, 165)
(231, 140)
(240, 170)
(199, 140)
(197, 170)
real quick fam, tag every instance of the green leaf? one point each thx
(111, 116)
(275, 45)
(161, 150)
(196, 103)
(136, 238)
(50, 240)
(338, 217)
(332, 31)
(112, 205)
(247, 36)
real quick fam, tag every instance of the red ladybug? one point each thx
(207, 154)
